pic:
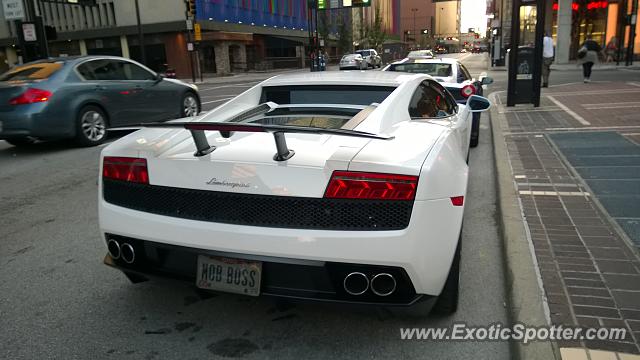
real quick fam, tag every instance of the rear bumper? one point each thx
(33, 120)
(286, 278)
(424, 250)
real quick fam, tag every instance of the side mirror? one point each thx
(478, 103)
(158, 78)
(487, 80)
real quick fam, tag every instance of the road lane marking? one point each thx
(620, 105)
(594, 92)
(633, 84)
(554, 193)
(580, 119)
(214, 101)
(620, 127)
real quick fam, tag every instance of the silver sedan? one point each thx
(353, 61)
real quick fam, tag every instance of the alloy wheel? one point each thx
(94, 126)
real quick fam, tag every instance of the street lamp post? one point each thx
(414, 11)
(143, 56)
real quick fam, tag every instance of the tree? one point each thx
(323, 26)
(345, 37)
(375, 34)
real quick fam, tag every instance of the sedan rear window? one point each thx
(433, 69)
(38, 71)
(364, 52)
(326, 94)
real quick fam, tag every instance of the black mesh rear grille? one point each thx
(259, 210)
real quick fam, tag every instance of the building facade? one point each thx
(416, 16)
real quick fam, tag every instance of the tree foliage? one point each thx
(374, 33)
(345, 36)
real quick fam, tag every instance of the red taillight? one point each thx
(457, 200)
(374, 186)
(31, 96)
(125, 169)
(468, 90)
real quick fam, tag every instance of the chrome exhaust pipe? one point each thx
(114, 249)
(127, 253)
(383, 284)
(356, 283)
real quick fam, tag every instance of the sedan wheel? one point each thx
(190, 106)
(92, 126)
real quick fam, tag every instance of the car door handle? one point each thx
(100, 87)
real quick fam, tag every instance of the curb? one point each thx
(524, 285)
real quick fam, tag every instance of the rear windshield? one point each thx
(326, 94)
(39, 71)
(433, 69)
(310, 119)
(364, 52)
(350, 57)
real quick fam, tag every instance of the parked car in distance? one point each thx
(441, 50)
(371, 56)
(454, 76)
(421, 54)
(353, 61)
(81, 97)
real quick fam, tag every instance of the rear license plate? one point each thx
(229, 275)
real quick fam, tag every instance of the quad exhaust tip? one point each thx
(383, 284)
(356, 283)
(114, 249)
(127, 253)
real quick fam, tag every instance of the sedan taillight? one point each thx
(468, 90)
(373, 186)
(31, 96)
(125, 169)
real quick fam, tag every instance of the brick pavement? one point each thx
(589, 268)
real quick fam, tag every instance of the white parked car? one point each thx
(454, 76)
(372, 58)
(342, 186)
(353, 61)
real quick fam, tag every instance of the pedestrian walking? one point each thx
(547, 58)
(588, 56)
(611, 49)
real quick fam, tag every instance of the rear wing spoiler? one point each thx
(283, 153)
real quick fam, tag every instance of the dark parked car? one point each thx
(80, 97)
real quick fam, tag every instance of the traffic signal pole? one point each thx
(143, 56)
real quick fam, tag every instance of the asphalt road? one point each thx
(58, 301)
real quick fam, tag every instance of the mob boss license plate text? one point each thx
(229, 275)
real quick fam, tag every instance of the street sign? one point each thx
(197, 32)
(29, 32)
(189, 24)
(13, 9)
(189, 46)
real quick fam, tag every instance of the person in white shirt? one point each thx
(547, 58)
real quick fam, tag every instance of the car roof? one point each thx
(451, 61)
(368, 78)
(75, 59)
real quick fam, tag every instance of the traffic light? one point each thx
(191, 9)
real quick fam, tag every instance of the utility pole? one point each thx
(633, 18)
(143, 56)
(414, 11)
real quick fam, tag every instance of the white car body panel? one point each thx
(435, 150)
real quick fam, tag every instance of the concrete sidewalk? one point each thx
(563, 168)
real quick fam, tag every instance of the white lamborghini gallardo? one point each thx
(333, 186)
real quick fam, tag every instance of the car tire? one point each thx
(189, 106)
(91, 126)
(21, 142)
(475, 130)
(447, 302)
